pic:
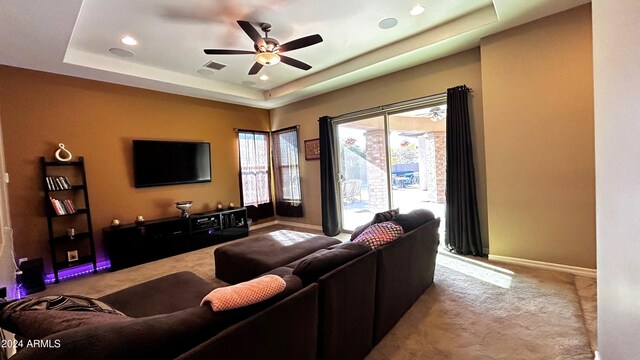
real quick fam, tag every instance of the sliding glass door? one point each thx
(417, 147)
(392, 159)
(363, 173)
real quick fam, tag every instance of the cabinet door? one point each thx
(235, 225)
(126, 247)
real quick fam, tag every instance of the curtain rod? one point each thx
(392, 107)
(287, 128)
(235, 130)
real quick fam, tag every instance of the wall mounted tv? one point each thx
(158, 163)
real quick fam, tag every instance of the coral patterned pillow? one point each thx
(245, 293)
(379, 234)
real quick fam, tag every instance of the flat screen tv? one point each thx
(158, 163)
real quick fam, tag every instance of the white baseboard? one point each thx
(575, 270)
(288, 223)
(264, 224)
(297, 224)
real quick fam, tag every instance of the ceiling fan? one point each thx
(268, 51)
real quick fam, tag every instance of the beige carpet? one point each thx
(587, 290)
(477, 310)
(474, 310)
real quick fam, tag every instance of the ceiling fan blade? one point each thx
(251, 31)
(255, 68)
(300, 43)
(295, 63)
(227, 52)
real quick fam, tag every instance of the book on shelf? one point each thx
(58, 183)
(63, 207)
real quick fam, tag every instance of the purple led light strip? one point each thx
(76, 271)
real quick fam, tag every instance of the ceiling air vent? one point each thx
(214, 65)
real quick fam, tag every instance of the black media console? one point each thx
(133, 244)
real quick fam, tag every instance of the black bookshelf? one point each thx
(58, 204)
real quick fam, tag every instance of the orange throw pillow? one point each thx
(245, 293)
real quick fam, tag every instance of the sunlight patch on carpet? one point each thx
(288, 237)
(488, 273)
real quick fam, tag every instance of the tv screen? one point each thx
(157, 163)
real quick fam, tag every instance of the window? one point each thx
(287, 172)
(254, 167)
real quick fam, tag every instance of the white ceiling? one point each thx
(73, 37)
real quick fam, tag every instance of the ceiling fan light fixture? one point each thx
(267, 58)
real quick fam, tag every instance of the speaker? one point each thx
(32, 278)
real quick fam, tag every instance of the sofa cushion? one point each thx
(379, 234)
(359, 230)
(413, 219)
(246, 293)
(150, 297)
(36, 318)
(323, 261)
(377, 218)
(38, 324)
(385, 216)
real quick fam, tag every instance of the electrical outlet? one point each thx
(21, 260)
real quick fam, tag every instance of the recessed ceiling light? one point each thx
(416, 10)
(205, 72)
(128, 40)
(388, 23)
(264, 77)
(121, 52)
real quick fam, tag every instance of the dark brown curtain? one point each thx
(330, 220)
(463, 225)
(286, 169)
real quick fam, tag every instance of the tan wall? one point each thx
(98, 121)
(423, 80)
(538, 120)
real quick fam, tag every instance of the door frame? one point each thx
(385, 111)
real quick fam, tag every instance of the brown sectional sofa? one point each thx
(167, 323)
(338, 312)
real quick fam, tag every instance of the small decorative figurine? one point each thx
(63, 154)
(115, 223)
(139, 219)
(232, 205)
(220, 206)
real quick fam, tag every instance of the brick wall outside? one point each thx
(376, 170)
(432, 149)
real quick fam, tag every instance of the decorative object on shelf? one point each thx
(312, 149)
(232, 205)
(72, 255)
(139, 219)
(63, 154)
(115, 223)
(220, 206)
(71, 233)
(184, 206)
